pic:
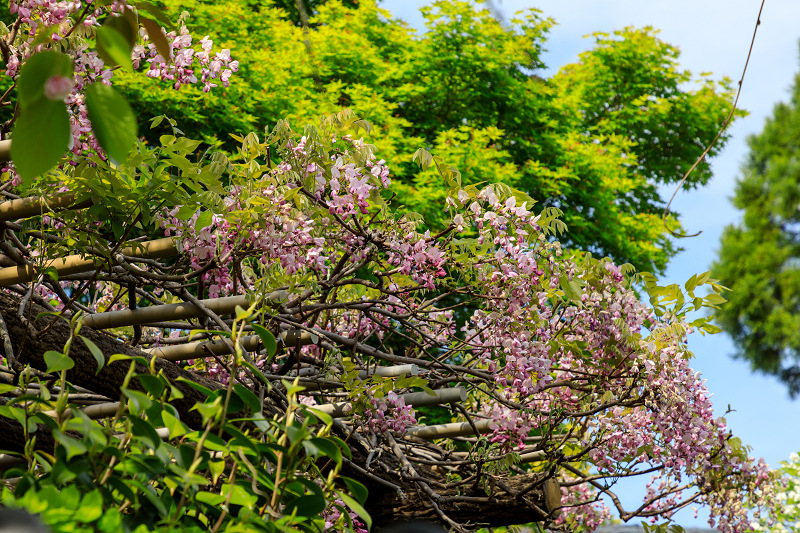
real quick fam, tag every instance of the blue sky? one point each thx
(713, 35)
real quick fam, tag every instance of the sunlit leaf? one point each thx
(112, 119)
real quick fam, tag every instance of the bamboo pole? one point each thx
(162, 313)
(382, 371)
(201, 349)
(38, 205)
(447, 431)
(74, 264)
(99, 410)
(417, 399)
(5, 150)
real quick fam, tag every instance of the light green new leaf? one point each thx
(98, 355)
(112, 119)
(41, 136)
(92, 506)
(204, 220)
(356, 508)
(57, 361)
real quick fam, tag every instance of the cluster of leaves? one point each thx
(595, 140)
(240, 471)
(61, 58)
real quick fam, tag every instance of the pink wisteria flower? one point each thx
(58, 87)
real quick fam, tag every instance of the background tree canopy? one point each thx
(758, 258)
(596, 140)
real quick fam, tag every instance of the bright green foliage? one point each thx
(43, 128)
(249, 473)
(758, 257)
(116, 136)
(595, 140)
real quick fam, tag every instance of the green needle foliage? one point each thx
(758, 257)
(595, 140)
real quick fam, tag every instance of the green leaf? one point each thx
(248, 397)
(145, 431)
(138, 400)
(91, 506)
(308, 505)
(35, 73)
(158, 38)
(356, 488)
(57, 361)
(151, 384)
(72, 446)
(357, 508)
(40, 137)
(112, 119)
(96, 353)
(127, 25)
(122, 357)
(267, 339)
(113, 48)
(6, 388)
(175, 426)
(324, 446)
(186, 212)
(205, 219)
(209, 498)
(156, 13)
(238, 495)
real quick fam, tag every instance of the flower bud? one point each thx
(58, 87)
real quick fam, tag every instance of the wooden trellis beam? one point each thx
(417, 399)
(201, 349)
(74, 264)
(179, 311)
(38, 205)
(447, 431)
(163, 313)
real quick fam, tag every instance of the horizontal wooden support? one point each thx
(162, 313)
(99, 410)
(38, 205)
(179, 311)
(417, 399)
(447, 431)
(201, 349)
(5, 150)
(74, 264)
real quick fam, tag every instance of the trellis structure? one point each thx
(405, 495)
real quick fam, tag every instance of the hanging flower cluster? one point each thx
(389, 413)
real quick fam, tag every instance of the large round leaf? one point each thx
(112, 119)
(41, 136)
(35, 73)
(113, 47)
